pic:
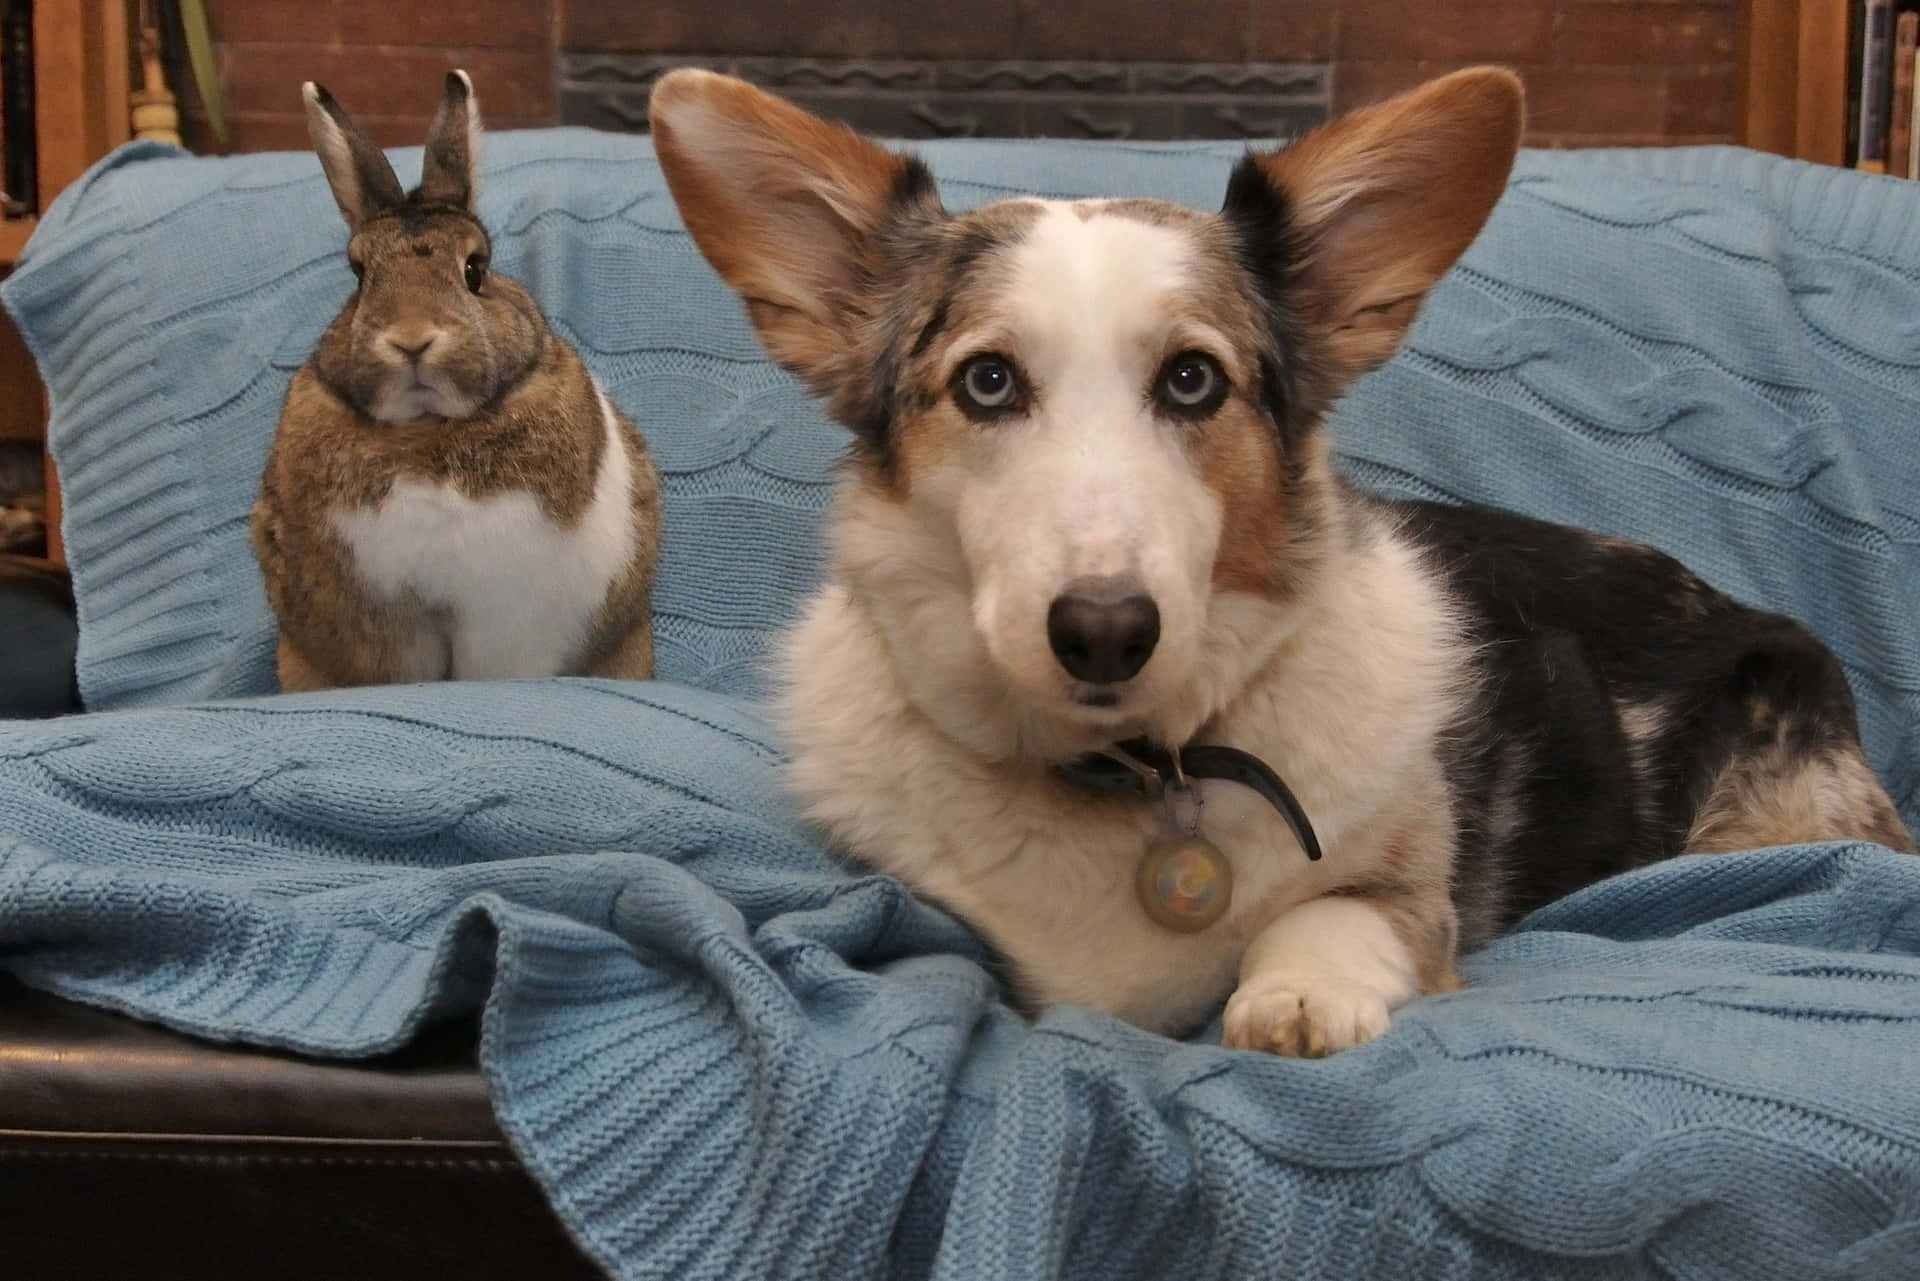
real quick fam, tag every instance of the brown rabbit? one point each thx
(450, 494)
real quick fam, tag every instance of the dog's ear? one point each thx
(787, 207)
(1355, 222)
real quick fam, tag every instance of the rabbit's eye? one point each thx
(359, 268)
(476, 272)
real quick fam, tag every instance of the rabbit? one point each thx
(450, 494)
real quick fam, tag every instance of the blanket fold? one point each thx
(724, 1056)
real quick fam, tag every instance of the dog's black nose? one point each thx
(1103, 630)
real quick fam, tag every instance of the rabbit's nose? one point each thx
(413, 346)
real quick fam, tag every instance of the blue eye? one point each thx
(987, 385)
(1192, 383)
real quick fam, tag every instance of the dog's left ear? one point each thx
(788, 208)
(1355, 222)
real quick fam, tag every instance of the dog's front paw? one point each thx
(1284, 1014)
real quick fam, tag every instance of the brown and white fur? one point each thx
(1091, 499)
(450, 494)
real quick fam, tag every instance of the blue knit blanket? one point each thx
(724, 1056)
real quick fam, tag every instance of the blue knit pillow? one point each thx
(1709, 350)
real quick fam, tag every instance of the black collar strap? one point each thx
(1115, 774)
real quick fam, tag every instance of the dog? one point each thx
(1109, 652)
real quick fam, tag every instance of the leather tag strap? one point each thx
(1108, 774)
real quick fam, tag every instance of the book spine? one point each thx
(1876, 85)
(1906, 38)
(1856, 32)
(7, 205)
(21, 177)
(1913, 125)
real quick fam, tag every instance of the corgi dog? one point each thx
(1109, 654)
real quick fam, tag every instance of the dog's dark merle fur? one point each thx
(1621, 703)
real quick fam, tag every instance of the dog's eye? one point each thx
(1192, 383)
(476, 272)
(987, 385)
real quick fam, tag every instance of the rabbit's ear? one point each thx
(363, 182)
(450, 173)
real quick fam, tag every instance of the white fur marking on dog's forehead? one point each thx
(1103, 280)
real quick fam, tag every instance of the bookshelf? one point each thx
(83, 76)
(13, 237)
(1792, 93)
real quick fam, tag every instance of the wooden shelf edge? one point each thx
(13, 237)
(1791, 91)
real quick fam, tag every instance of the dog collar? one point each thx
(1148, 769)
(1184, 881)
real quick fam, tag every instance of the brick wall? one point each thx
(1598, 71)
(1631, 71)
(383, 60)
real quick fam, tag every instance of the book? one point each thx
(21, 174)
(1913, 126)
(1856, 23)
(1906, 39)
(1876, 85)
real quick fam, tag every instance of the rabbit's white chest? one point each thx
(521, 592)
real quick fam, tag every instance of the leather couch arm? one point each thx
(130, 1151)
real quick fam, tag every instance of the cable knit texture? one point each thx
(724, 1056)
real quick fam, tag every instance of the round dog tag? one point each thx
(1185, 883)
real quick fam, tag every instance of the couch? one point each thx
(574, 923)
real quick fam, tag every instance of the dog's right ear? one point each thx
(1359, 219)
(787, 207)
(363, 182)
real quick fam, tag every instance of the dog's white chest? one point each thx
(1049, 873)
(521, 591)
